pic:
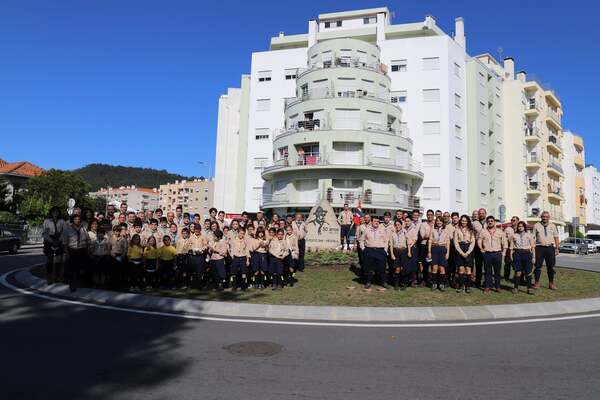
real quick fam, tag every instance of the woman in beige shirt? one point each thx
(218, 249)
(259, 258)
(438, 252)
(522, 252)
(291, 260)
(277, 252)
(464, 243)
(400, 252)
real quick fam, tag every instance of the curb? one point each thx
(310, 313)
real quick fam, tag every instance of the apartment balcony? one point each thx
(342, 62)
(534, 188)
(553, 118)
(532, 108)
(554, 143)
(578, 160)
(312, 162)
(555, 192)
(533, 134)
(327, 93)
(578, 142)
(533, 161)
(316, 126)
(555, 168)
(338, 198)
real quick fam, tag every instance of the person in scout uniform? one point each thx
(546, 249)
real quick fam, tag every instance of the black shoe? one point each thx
(385, 285)
(433, 287)
(403, 287)
(468, 290)
(367, 285)
(442, 287)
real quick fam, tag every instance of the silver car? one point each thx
(573, 245)
(591, 246)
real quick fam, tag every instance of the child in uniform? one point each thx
(240, 259)
(151, 254)
(218, 251)
(166, 260)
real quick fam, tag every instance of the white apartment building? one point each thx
(137, 198)
(194, 196)
(427, 75)
(592, 190)
(486, 178)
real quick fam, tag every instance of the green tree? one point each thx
(56, 187)
(34, 209)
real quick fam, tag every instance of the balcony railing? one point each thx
(555, 165)
(555, 189)
(338, 197)
(532, 131)
(326, 93)
(554, 115)
(317, 159)
(342, 62)
(532, 104)
(555, 140)
(533, 185)
(533, 159)
(322, 125)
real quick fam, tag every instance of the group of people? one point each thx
(144, 250)
(447, 249)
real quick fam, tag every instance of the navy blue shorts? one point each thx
(438, 256)
(461, 261)
(401, 260)
(345, 230)
(275, 265)
(238, 266)
(522, 261)
(259, 262)
(218, 267)
(197, 263)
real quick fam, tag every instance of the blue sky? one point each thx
(136, 83)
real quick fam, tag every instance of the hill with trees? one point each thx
(103, 175)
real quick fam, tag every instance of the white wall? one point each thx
(227, 183)
(415, 111)
(277, 89)
(592, 193)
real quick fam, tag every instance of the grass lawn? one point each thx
(327, 281)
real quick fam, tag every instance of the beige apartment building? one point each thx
(534, 136)
(137, 198)
(194, 196)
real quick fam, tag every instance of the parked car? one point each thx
(573, 245)
(595, 236)
(9, 242)
(591, 245)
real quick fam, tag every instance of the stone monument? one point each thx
(323, 228)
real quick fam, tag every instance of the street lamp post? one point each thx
(209, 167)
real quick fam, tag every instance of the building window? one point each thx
(380, 187)
(369, 20)
(338, 23)
(483, 168)
(399, 96)
(431, 95)
(481, 79)
(262, 133)
(457, 100)
(399, 65)
(431, 193)
(457, 70)
(259, 163)
(458, 196)
(458, 162)
(431, 160)
(431, 127)
(483, 138)
(264, 76)
(290, 73)
(263, 104)
(431, 63)
(458, 131)
(380, 150)
(327, 24)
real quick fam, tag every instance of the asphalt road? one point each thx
(591, 262)
(53, 350)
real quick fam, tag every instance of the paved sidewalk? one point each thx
(311, 313)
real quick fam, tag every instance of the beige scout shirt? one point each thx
(450, 231)
(261, 245)
(375, 237)
(277, 248)
(360, 231)
(478, 226)
(199, 243)
(509, 232)
(399, 239)
(439, 237)
(522, 241)
(545, 234)
(425, 231)
(464, 235)
(346, 217)
(183, 246)
(239, 247)
(299, 229)
(492, 240)
(218, 249)
(412, 232)
(118, 246)
(292, 245)
(158, 235)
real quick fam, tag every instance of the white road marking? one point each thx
(4, 282)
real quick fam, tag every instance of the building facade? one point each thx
(592, 189)
(16, 175)
(574, 210)
(532, 122)
(485, 139)
(426, 71)
(137, 198)
(343, 138)
(194, 196)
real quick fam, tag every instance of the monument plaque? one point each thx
(323, 228)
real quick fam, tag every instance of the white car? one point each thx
(591, 245)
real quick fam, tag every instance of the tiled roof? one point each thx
(21, 168)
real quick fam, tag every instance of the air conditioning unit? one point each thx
(535, 211)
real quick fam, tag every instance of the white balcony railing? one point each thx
(532, 131)
(555, 140)
(343, 62)
(316, 125)
(555, 165)
(554, 115)
(327, 93)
